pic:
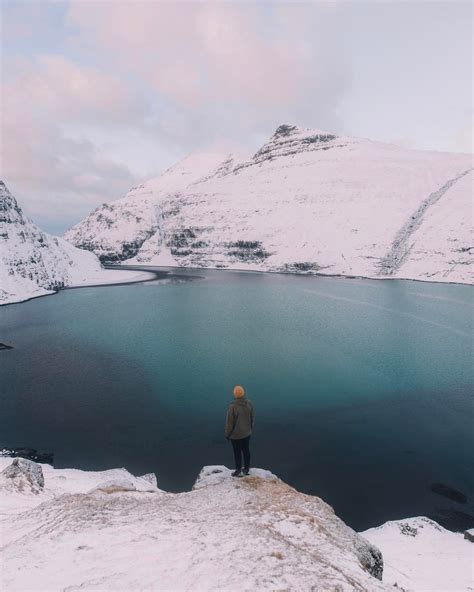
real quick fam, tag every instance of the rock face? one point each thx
(308, 201)
(33, 263)
(24, 474)
(469, 535)
(102, 530)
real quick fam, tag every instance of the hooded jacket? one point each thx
(240, 419)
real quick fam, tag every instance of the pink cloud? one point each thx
(193, 52)
(51, 83)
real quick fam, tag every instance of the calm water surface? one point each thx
(363, 389)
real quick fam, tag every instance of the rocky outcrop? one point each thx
(103, 530)
(308, 201)
(469, 535)
(24, 475)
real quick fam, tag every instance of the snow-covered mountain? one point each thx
(66, 529)
(308, 201)
(33, 263)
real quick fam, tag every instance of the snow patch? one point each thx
(421, 555)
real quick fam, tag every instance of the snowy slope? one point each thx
(419, 554)
(307, 201)
(117, 231)
(33, 263)
(111, 531)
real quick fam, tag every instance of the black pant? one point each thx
(241, 447)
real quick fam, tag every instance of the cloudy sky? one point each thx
(99, 95)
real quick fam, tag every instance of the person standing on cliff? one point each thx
(238, 429)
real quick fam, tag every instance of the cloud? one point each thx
(254, 57)
(59, 175)
(99, 94)
(137, 85)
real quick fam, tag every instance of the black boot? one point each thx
(237, 473)
(246, 471)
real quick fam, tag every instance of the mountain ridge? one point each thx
(34, 263)
(307, 201)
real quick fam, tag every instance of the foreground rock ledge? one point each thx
(113, 531)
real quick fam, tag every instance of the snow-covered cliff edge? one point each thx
(33, 263)
(109, 531)
(67, 529)
(308, 201)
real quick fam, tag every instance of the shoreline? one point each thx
(146, 278)
(154, 276)
(295, 273)
(162, 271)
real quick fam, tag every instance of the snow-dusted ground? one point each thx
(419, 554)
(111, 531)
(66, 529)
(33, 263)
(306, 202)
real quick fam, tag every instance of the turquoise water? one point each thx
(363, 389)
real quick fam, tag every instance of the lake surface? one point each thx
(362, 389)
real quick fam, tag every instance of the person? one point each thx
(238, 429)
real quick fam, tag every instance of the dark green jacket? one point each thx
(240, 419)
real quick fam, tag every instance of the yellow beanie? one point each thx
(239, 391)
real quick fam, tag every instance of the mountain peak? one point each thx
(291, 139)
(286, 130)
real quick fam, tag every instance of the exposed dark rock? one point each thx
(240, 244)
(180, 252)
(371, 559)
(301, 266)
(284, 130)
(247, 251)
(182, 241)
(319, 138)
(469, 535)
(449, 492)
(28, 453)
(408, 530)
